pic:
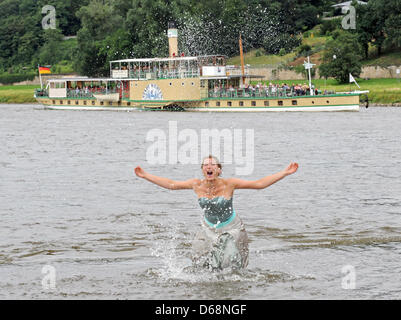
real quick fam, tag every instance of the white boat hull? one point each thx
(278, 109)
(94, 108)
(209, 109)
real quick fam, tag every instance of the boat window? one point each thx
(241, 103)
(76, 102)
(93, 103)
(206, 104)
(61, 101)
(266, 103)
(280, 102)
(217, 103)
(85, 102)
(229, 104)
(253, 103)
(57, 85)
(294, 102)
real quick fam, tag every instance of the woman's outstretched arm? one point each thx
(165, 182)
(266, 181)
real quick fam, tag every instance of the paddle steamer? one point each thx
(181, 83)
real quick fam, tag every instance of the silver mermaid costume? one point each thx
(222, 241)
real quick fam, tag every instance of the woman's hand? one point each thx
(292, 168)
(140, 172)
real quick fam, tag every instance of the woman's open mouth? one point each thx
(209, 173)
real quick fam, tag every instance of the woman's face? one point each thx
(210, 169)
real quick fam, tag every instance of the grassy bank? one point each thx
(381, 91)
(17, 94)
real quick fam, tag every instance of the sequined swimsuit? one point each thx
(218, 211)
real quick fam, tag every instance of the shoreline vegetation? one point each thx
(382, 92)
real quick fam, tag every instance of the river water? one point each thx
(77, 224)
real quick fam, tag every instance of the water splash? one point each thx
(171, 246)
(203, 34)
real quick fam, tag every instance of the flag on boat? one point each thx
(43, 70)
(351, 79)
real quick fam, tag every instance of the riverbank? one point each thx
(17, 94)
(382, 92)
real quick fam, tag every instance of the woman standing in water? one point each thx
(222, 241)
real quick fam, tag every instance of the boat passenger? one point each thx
(231, 91)
(222, 241)
(274, 90)
(216, 91)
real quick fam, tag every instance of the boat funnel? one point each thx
(172, 34)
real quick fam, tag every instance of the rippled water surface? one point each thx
(69, 201)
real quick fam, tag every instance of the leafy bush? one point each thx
(282, 52)
(7, 78)
(304, 50)
(328, 26)
(258, 53)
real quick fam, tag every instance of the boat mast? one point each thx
(308, 66)
(310, 79)
(242, 60)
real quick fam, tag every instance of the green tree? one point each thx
(364, 27)
(27, 46)
(307, 17)
(378, 24)
(98, 22)
(19, 36)
(116, 46)
(51, 52)
(98, 19)
(393, 30)
(392, 27)
(147, 22)
(342, 56)
(87, 58)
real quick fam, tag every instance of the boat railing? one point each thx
(89, 92)
(164, 74)
(258, 93)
